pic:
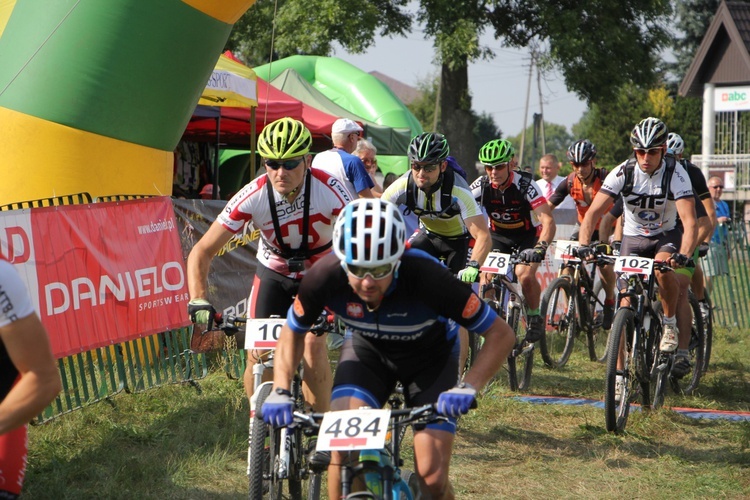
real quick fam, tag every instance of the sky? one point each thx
(498, 86)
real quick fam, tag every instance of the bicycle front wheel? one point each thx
(521, 360)
(708, 337)
(617, 399)
(689, 383)
(258, 455)
(561, 323)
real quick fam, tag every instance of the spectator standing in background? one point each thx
(367, 153)
(549, 167)
(716, 262)
(341, 163)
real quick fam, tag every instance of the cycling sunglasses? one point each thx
(649, 151)
(498, 166)
(288, 164)
(427, 167)
(377, 272)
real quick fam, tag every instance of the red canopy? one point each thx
(235, 122)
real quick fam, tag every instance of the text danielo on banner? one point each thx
(100, 274)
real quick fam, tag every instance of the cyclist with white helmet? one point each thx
(581, 185)
(294, 208)
(516, 210)
(402, 307)
(655, 189)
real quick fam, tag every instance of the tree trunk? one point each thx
(456, 120)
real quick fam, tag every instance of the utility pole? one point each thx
(541, 109)
(526, 110)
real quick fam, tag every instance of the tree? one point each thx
(694, 18)
(556, 138)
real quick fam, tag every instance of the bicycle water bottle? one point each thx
(372, 476)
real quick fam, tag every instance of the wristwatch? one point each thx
(474, 264)
(283, 392)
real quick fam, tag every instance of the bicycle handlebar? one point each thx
(422, 414)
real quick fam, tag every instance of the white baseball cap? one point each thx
(345, 126)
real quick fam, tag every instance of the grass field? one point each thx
(177, 442)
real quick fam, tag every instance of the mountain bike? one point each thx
(510, 305)
(636, 331)
(279, 460)
(570, 305)
(379, 466)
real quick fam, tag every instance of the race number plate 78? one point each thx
(263, 333)
(496, 263)
(363, 429)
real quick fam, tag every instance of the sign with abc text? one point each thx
(99, 274)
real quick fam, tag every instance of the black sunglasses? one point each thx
(288, 164)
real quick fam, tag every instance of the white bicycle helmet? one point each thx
(675, 144)
(369, 232)
(649, 133)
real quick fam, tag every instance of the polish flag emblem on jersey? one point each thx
(354, 310)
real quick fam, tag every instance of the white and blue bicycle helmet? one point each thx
(369, 232)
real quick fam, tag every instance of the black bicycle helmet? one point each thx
(429, 147)
(649, 133)
(581, 151)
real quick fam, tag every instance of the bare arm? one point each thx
(366, 193)
(606, 227)
(544, 213)
(289, 350)
(199, 260)
(601, 205)
(28, 347)
(477, 226)
(708, 204)
(686, 211)
(498, 342)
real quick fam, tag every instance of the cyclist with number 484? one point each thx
(515, 207)
(655, 189)
(403, 309)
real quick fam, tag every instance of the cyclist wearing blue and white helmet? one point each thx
(402, 307)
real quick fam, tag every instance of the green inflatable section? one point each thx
(63, 71)
(354, 90)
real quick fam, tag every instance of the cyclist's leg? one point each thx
(671, 287)
(432, 457)
(363, 378)
(317, 377)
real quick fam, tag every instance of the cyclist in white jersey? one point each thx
(290, 202)
(29, 379)
(650, 214)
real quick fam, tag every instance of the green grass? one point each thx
(176, 442)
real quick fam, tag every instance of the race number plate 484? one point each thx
(363, 429)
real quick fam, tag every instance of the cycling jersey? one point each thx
(510, 207)
(16, 304)
(346, 167)
(328, 196)
(433, 218)
(413, 328)
(573, 187)
(650, 207)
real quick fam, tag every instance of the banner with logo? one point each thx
(100, 274)
(232, 270)
(731, 98)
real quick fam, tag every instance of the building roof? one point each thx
(406, 93)
(723, 57)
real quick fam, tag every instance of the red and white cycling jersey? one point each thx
(328, 197)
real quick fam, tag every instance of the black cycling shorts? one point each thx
(506, 245)
(272, 293)
(452, 249)
(365, 373)
(645, 246)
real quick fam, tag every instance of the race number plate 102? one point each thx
(496, 263)
(564, 250)
(363, 429)
(636, 265)
(263, 333)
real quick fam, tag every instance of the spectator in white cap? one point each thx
(341, 163)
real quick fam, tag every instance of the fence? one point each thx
(730, 287)
(133, 366)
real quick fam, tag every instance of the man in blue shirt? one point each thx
(341, 163)
(716, 262)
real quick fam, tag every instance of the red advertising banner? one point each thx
(100, 274)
